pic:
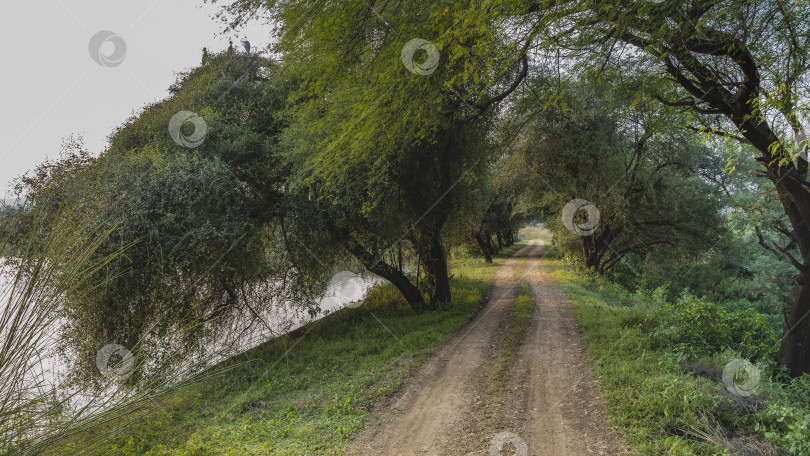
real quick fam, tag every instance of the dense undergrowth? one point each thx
(676, 373)
(305, 393)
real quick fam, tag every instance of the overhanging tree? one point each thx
(207, 223)
(741, 68)
(739, 65)
(418, 137)
(638, 174)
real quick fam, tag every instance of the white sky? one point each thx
(51, 88)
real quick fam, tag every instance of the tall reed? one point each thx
(40, 271)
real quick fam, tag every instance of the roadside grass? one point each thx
(512, 338)
(651, 401)
(307, 393)
(662, 397)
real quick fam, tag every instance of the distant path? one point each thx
(551, 401)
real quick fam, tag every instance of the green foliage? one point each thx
(297, 394)
(785, 421)
(706, 328)
(736, 271)
(641, 343)
(177, 227)
(788, 426)
(207, 224)
(624, 159)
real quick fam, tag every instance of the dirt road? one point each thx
(550, 405)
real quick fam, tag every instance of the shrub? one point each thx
(705, 328)
(787, 426)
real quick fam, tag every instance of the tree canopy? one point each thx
(384, 134)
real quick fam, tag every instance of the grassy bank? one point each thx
(304, 394)
(661, 364)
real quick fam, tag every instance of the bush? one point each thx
(787, 426)
(786, 420)
(705, 329)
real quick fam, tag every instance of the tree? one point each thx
(638, 179)
(206, 223)
(499, 218)
(411, 138)
(741, 68)
(376, 206)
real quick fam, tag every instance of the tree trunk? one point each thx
(488, 243)
(795, 199)
(793, 352)
(436, 267)
(796, 338)
(409, 291)
(589, 252)
(500, 239)
(395, 276)
(479, 241)
(492, 245)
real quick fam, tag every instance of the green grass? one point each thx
(652, 402)
(663, 388)
(302, 394)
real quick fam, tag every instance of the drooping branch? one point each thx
(617, 256)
